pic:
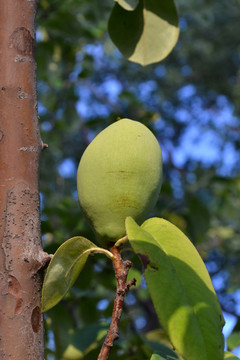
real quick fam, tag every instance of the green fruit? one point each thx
(119, 175)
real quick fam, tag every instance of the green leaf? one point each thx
(162, 350)
(129, 5)
(135, 274)
(82, 341)
(180, 288)
(230, 356)
(158, 341)
(147, 34)
(233, 340)
(65, 267)
(157, 357)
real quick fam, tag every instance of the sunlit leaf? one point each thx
(157, 357)
(65, 267)
(147, 34)
(233, 340)
(230, 356)
(129, 5)
(136, 274)
(180, 288)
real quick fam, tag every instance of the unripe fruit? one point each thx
(119, 175)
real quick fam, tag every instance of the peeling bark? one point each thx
(21, 254)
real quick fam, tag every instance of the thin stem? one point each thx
(95, 250)
(121, 241)
(121, 269)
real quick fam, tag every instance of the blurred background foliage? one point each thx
(191, 101)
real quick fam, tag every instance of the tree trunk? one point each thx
(21, 254)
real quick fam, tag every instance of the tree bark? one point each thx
(21, 254)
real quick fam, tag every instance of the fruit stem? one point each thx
(121, 241)
(121, 269)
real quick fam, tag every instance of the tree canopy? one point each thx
(190, 100)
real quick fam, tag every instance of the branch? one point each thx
(121, 269)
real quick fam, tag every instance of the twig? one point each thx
(44, 146)
(121, 269)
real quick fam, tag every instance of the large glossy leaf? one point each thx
(129, 5)
(147, 34)
(180, 288)
(64, 269)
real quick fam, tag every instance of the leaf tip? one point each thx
(129, 220)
